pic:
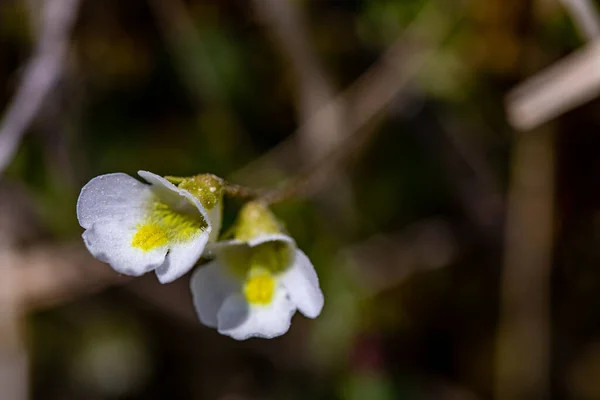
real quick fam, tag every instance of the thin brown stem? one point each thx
(242, 192)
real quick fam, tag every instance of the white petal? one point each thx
(215, 249)
(181, 258)
(302, 284)
(272, 237)
(112, 197)
(211, 285)
(110, 241)
(238, 319)
(177, 199)
(215, 216)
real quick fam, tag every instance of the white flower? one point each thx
(255, 284)
(137, 228)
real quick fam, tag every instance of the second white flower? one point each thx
(257, 281)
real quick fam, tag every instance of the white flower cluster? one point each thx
(257, 279)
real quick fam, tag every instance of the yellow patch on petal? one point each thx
(165, 225)
(179, 227)
(149, 237)
(259, 288)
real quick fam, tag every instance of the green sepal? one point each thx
(207, 188)
(253, 220)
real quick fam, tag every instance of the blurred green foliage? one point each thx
(138, 95)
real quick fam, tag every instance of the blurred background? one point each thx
(450, 150)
